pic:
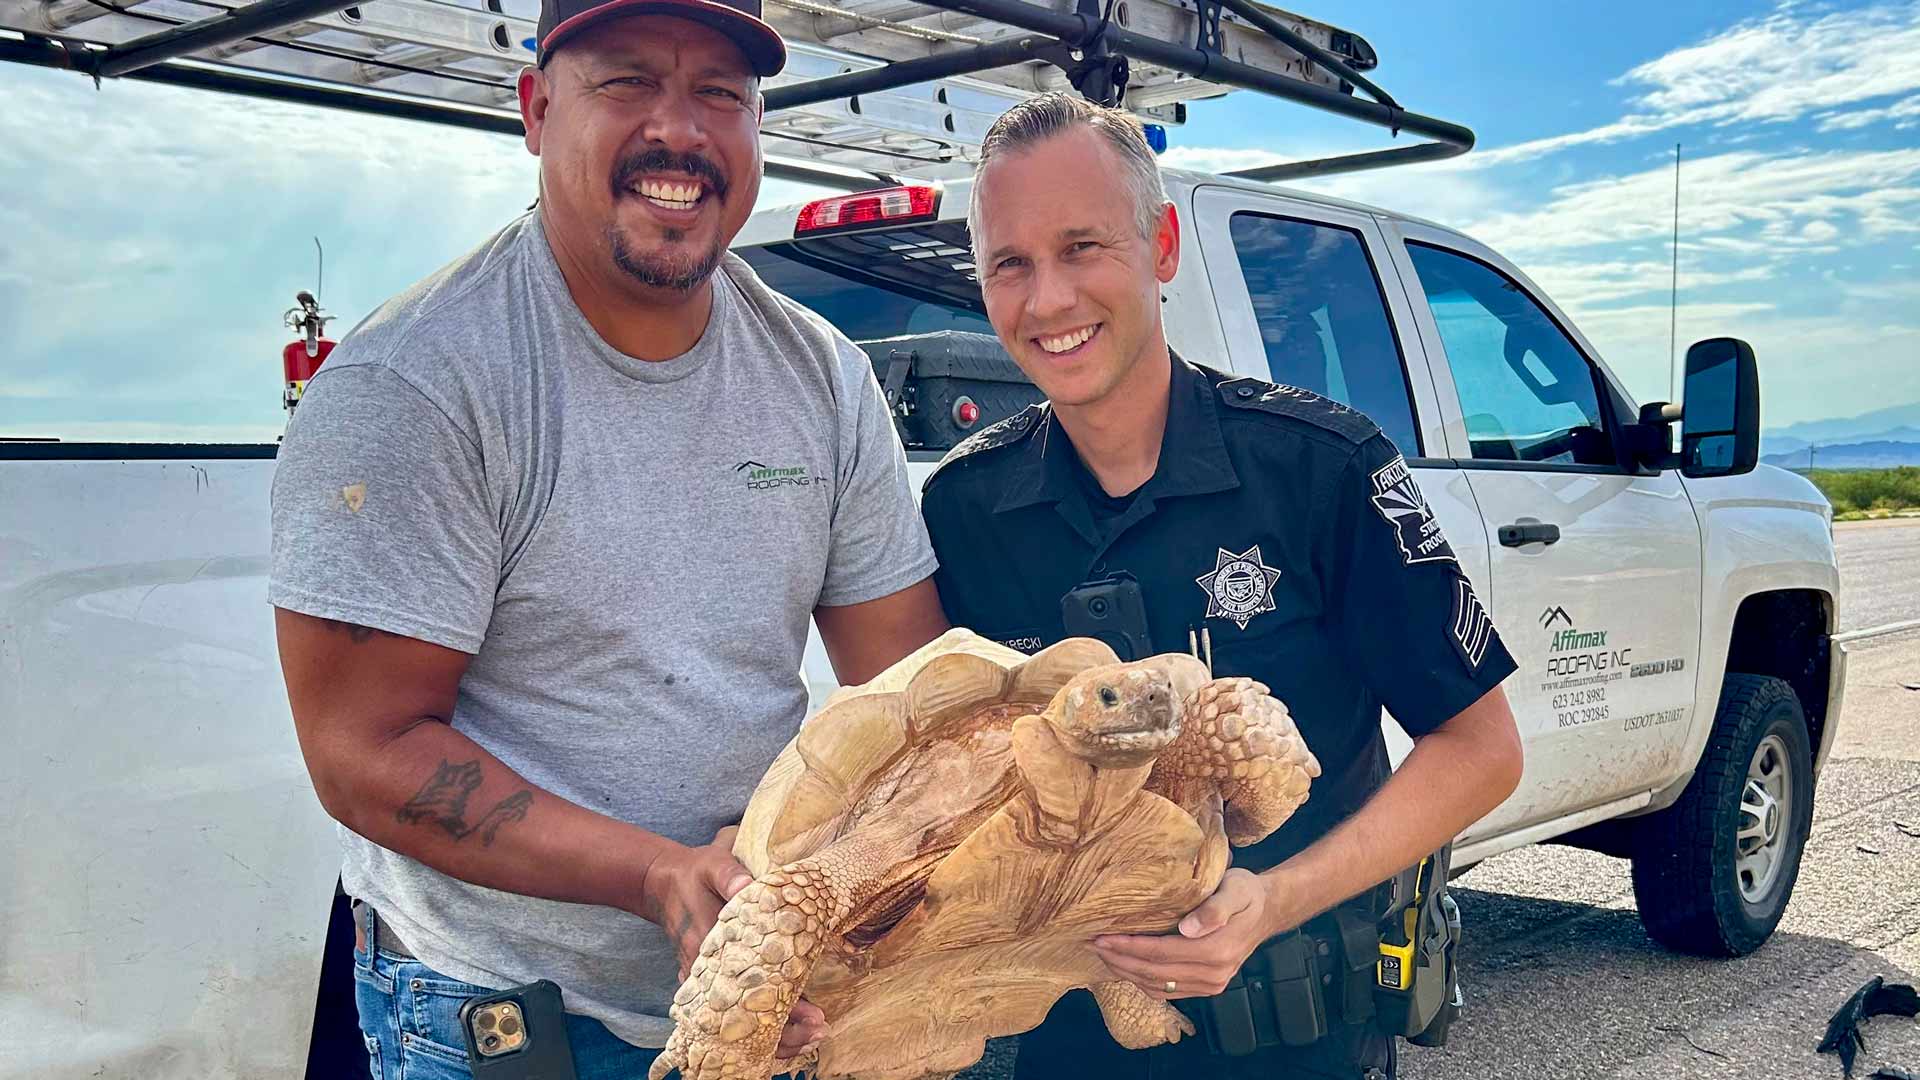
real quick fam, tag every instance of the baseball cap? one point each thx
(738, 19)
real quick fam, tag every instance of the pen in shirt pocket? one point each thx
(1200, 646)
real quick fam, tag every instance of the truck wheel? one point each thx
(1713, 872)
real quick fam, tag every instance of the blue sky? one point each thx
(152, 237)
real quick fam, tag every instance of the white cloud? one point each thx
(1905, 113)
(1797, 61)
(1582, 284)
(1819, 232)
(1219, 159)
(1441, 191)
(1876, 192)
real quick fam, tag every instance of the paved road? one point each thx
(1879, 572)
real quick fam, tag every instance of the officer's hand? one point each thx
(1214, 940)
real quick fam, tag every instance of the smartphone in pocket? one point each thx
(518, 1034)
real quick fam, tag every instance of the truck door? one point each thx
(1596, 561)
(1299, 287)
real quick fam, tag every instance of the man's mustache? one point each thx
(660, 159)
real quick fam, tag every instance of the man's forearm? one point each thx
(433, 794)
(1452, 778)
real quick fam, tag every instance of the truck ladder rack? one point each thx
(872, 88)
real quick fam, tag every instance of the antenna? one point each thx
(1673, 321)
(320, 276)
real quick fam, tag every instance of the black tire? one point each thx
(1696, 893)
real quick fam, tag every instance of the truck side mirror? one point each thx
(1720, 422)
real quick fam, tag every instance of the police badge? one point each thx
(1240, 586)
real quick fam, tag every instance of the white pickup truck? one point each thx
(170, 873)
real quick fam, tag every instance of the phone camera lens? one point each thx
(484, 1021)
(509, 1026)
(1098, 607)
(491, 1042)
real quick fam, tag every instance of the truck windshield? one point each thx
(880, 284)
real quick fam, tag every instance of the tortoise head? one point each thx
(1117, 715)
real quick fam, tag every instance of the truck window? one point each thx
(1527, 392)
(1323, 318)
(880, 284)
(910, 299)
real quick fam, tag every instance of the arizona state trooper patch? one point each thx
(1240, 586)
(1400, 503)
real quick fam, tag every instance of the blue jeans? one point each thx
(410, 1017)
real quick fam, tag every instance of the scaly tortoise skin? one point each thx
(935, 850)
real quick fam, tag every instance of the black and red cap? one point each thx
(738, 19)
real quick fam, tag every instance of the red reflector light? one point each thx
(885, 206)
(965, 412)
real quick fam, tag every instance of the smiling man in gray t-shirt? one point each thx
(548, 530)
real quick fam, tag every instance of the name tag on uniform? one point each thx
(1026, 643)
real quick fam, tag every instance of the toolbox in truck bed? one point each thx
(947, 385)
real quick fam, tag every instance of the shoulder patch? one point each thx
(992, 437)
(1416, 530)
(1305, 405)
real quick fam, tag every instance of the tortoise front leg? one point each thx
(755, 963)
(1136, 1020)
(1237, 739)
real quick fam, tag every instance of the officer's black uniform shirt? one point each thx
(1282, 522)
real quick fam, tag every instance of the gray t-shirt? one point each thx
(630, 550)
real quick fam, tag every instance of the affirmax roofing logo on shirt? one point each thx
(760, 477)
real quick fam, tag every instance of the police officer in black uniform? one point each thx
(1165, 507)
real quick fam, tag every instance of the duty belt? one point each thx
(1386, 958)
(1297, 986)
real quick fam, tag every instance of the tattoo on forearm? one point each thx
(443, 802)
(356, 633)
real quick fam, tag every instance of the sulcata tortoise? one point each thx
(935, 850)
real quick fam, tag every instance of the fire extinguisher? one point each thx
(302, 358)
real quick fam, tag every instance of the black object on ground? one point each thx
(1876, 998)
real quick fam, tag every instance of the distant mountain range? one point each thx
(1864, 455)
(1851, 429)
(1880, 439)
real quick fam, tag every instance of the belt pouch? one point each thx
(1294, 990)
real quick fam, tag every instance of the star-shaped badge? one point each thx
(1240, 587)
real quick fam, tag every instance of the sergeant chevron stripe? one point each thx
(1472, 628)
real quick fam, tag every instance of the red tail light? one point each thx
(864, 209)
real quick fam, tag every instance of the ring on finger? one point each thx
(1172, 986)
